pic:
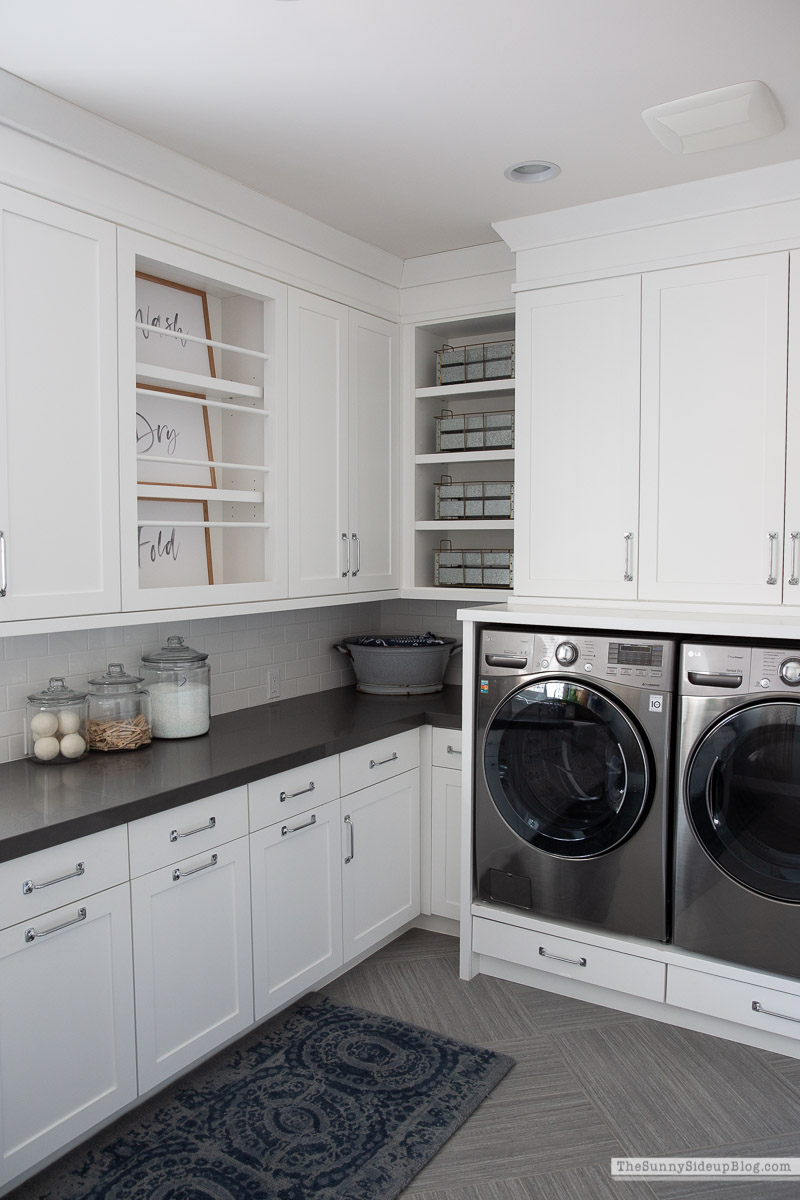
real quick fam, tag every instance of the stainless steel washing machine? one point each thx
(572, 776)
(737, 837)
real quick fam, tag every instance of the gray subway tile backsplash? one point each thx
(299, 644)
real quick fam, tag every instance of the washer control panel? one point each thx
(510, 651)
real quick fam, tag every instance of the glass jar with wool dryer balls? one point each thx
(55, 724)
(179, 681)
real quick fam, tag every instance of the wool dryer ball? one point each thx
(44, 724)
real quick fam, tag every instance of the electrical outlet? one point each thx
(274, 683)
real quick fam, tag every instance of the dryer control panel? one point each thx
(628, 661)
(749, 670)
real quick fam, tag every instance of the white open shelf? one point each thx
(459, 523)
(481, 387)
(465, 456)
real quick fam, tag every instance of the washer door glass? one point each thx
(566, 768)
(742, 795)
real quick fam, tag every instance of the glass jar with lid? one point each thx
(179, 681)
(119, 711)
(55, 724)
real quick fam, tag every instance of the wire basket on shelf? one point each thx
(472, 568)
(475, 363)
(474, 431)
(479, 500)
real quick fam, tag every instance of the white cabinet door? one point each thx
(577, 416)
(59, 512)
(374, 444)
(319, 533)
(380, 855)
(193, 959)
(66, 1021)
(791, 555)
(297, 905)
(713, 431)
(445, 842)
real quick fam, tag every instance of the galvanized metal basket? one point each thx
(474, 431)
(472, 568)
(473, 500)
(474, 363)
(399, 665)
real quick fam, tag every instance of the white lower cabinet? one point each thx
(68, 1057)
(768, 1009)
(380, 861)
(192, 958)
(297, 905)
(446, 823)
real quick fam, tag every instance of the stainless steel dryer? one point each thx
(571, 776)
(737, 842)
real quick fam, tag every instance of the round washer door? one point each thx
(742, 796)
(566, 768)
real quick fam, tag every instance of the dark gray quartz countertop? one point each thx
(44, 805)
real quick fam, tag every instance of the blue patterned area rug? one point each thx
(325, 1101)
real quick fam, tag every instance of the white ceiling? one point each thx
(393, 120)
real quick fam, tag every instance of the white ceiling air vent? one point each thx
(723, 117)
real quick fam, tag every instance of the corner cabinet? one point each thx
(343, 514)
(202, 429)
(59, 553)
(482, 546)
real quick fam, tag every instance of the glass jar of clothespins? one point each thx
(119, 711)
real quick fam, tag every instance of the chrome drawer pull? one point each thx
(3, 570)
(31, 934)
(291, 795)
(296, 828)
(348, 821)
(783, 1016)
(573, 962)
(346, 541)
(29, 886)
(452, 750)
(627, 575)
(773, 546)
(794, 578)
(382, 762)
(358, 555)
(181, 874)
(174, 835)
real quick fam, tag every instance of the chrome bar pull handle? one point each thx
(358, 554)
(32, 934)
(296, 828)
(767, 1013)
(452, 750)
(628, 573)
(346, 541)
(3, 565)
(174, 835)
(291, 795)
(573, 962)
(349, 822)
(181, 874)
(773, 546)
(794, 578)
(29, 886)
(383, 761)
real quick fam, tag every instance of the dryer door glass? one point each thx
(742, 794)
(566, 768)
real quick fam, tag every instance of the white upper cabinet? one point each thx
(202, 429)
(791, 545)
(714, 341)
(578, 430)
(342, 368)
(59, 552)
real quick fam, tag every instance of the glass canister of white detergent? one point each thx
(179, 682)
(55, 724)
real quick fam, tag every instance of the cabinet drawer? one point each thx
(446, 748)
(379, 760)
(733, 1000)
(280, 796)
(59, 875)
(189, 829)
(570, 959)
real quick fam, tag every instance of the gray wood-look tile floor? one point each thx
(589, 1083)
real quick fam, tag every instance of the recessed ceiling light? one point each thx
(535, 170)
